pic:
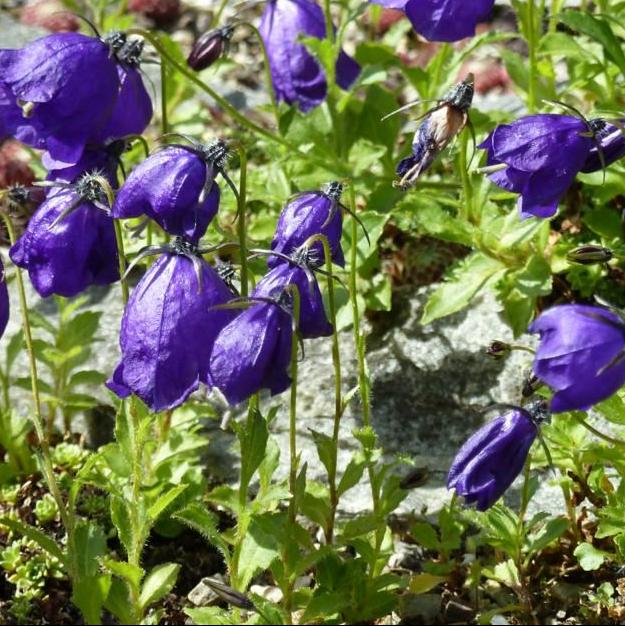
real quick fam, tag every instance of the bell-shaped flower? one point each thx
(66, 90)
(312, 316)
(176, 188)
(489, 461)
(581, 355)
(69, 243)
(168, 329)
(297, 76)
(308, 214)
(443, 20)
(253, 351)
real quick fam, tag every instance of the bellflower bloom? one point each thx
(540, 155)
(168, 330)
(297, 76)
(311, 213)
(581, 354)
(493, 457)
(253, 351)
(50, 99)
(69, 243)
(176, 188)
(312, 316)
(443, 20)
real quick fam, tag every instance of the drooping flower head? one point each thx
(437, 129)
(69, 243)
(66, 90)
(538, 156)
(168, 329)
(176, 188)
(581, 354)
(210, 47)
(253, 351)
(297, 76)
(443, 20)
(300, 272)
(493, 457)
(308, 214)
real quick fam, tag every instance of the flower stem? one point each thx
(119, 238)
(164, 118)
(466, 208)
(599, 434)
(67, 516)
(217, 17)
(242, 216)
(531, 44)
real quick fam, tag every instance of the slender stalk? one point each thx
(67, 516)
(164, 117)
(121, 255)
(597, 433)
(338, 398)
(466, 209)
(242, 224)
(329, 165)
(531, 44)
(217, 17)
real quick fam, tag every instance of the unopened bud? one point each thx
(589, 255)
(498, 349)
(209, 48)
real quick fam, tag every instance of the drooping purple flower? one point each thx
(297, 76)
(312, 316)
(540, 155)
(443, 20)
(311, 213)
(65, 90)
(608, 146)
(581, 354)
(253, 351)
(168, 329)
(69, 243)
(4, 300)
(176, 188)
(105, 159)
(489, 461)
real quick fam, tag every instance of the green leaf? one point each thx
(507, 573)
(16, 344)
(552, 531)
(599, 30)
(210, 615)
(466, 280)
(253, 440)
(325, 448)
(613, 409)
(352, 475)
(201, 520)
(89, 595)
(260, 546)
(434, 220)
(87, 377)
(422, 583)
(589, 557)
(167, 502)
(34, 534)
(89, 546)
(158, 583)
(121, 516)
(118, 601)
(425, 534)
(126, 571)
(79, 331)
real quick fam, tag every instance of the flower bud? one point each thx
(209, 48)
(589, 255)
(498, 349)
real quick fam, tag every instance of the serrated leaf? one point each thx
(43, 540)
(89, 546)
(589, 557)
(158, 583)
(166, 502)
(201, 520)
(260, 546)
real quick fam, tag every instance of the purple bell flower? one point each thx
(4, 300)
(176, 188)
(69, 243)
(540, 155)
(168, 330)
(311, 213)
(609, 144)
(493, 457)
(50, 99)
(297, 76)
(581, 354)
(312, 316)
(253, 351)
(443, 20)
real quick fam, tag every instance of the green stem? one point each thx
(67, 516)
(242, 224)
(525, 498)
(164, 118)
(217, 17)
(599, 434)
(119, 238)
(134, 557)
(328, 165)
(466, 209)
(531, 44)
